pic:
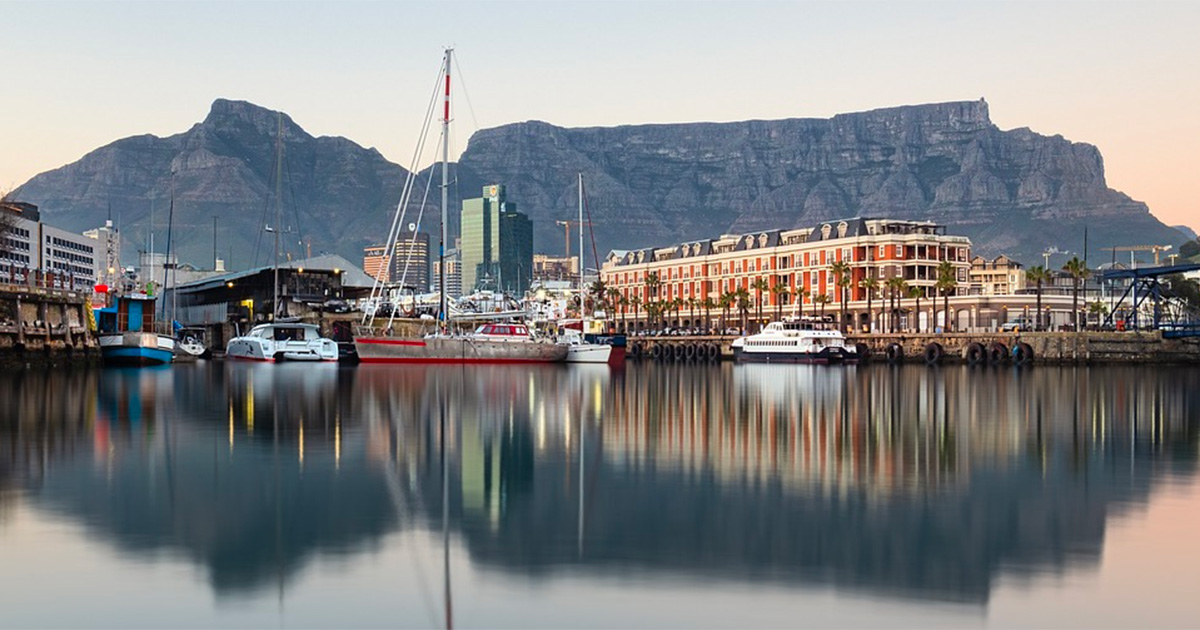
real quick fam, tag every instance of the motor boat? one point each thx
(794, 341)
(282, 341)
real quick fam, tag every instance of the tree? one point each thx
(623, 302)
(1039, 276)
(915, 293)
(1079, 272)
(726, 301)
(870, 284)
(652, 283)
(801, 295)
(947, 280)
(743, 305)
(896, 286)
(709, 304)
(841, 274)
(635, 302)
(1099, 309)
(760, 286)
(822, 300)
(613, 295)
(780, 290)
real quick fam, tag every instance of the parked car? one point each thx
(1020, 323)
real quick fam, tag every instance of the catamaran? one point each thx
(490, 343)
(794, 341)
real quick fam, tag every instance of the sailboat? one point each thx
(579, 350)
(283, 339)
(490, 343)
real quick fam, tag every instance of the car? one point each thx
(1020, 323)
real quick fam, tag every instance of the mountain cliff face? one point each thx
(337, 196)
(1014, 192)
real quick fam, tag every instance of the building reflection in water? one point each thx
(910, 482)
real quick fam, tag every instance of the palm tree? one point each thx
(947, 280)
(599, 291)
(801, 295)
(780, 290)
(760, 286)
(1079, 272)
(915, 293)
(614, 299)
(635, 301)
(743, 304)
(623, 302)
(896, 286)
(726, 301)
(1038, 275)
(692, 302)
(841, 274)
(709, 304)
(871, 285)
(1097, 308)
(677, 305)
(822, 299)
(652, 282)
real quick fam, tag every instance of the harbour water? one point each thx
(234, 495)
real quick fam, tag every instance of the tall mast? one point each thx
(442, 313)
(278, 210)
(582, 295)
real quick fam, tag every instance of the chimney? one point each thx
(220, 265)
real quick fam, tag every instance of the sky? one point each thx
(1124, 76)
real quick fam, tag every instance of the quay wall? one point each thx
(1084, 347)
(45, 326)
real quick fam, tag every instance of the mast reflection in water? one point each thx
(905, 485)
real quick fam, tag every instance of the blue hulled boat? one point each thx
(128, 336)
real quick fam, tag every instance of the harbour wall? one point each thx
(1075, 348)
(45, 326)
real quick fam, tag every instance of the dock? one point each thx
(40, 325)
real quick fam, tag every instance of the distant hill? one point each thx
(1015, 192)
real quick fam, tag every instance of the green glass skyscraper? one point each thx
(496, 245)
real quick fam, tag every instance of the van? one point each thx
(1020, 323)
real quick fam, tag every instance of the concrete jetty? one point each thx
(41, 325)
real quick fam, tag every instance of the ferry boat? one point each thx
(490, 343)
(282, 341)
(798, 341)
(127, 333)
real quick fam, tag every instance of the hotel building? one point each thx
(409, 263)
(800, 259)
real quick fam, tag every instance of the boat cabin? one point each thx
(133, 313)
(286, 332)
(503, 331)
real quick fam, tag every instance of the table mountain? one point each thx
(1015, 192)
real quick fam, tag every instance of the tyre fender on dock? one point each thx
(997, 353)
(635, 350)
(863, 352)
(933, 353)
(1022, 354)
(975, 354)
(894, 353)
(714, 352)
(689, 352)
(678, 351)
(656, 351)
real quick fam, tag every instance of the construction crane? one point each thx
(567, 225)
(1139, 248)
(1051, 251)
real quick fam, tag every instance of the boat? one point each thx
(282, 341)
(794, 341)
(491, 342)
(190, 344)
(579, 350)
(127, 333)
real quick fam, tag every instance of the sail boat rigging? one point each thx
(579, 350)
(490, 343)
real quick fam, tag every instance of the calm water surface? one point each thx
(229, 495)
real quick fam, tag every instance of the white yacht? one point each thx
(798, 341)
(282, 342)
(580, 351)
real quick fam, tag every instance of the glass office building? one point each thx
(496, 245)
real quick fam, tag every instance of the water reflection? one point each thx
(914, 483)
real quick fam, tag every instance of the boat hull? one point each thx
(136, 349)
(825, 356)
(456, 350)
(589, 353)
(618, 343)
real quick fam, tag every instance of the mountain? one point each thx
(1014, 192)
(337, 196)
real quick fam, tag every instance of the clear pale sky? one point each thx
(1124, 76)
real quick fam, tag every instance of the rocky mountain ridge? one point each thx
(1015, 191)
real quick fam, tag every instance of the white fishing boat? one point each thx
(794, 341)
(491, 342)
(282, 341)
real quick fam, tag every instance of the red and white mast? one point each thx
(443, 313)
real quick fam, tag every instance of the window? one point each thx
(882, 251)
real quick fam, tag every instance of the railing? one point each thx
(1178, 331)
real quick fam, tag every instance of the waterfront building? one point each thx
(999, 276)
(108, 254)
(27, 245)
(409, 264)
(453, 274)
(496, 244)
(784, 272)
(547, 267)
(18, 242)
